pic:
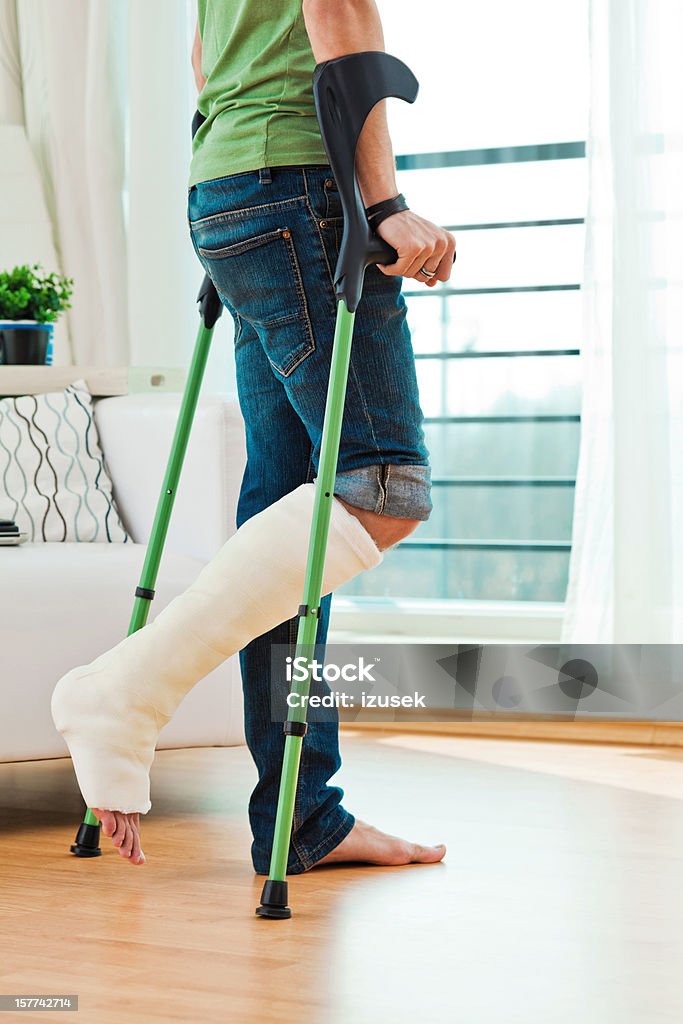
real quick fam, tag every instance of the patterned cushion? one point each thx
(53, 477)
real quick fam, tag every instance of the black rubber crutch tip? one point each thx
(274, 901)
(87, 841)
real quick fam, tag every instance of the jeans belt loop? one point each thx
(265, 176)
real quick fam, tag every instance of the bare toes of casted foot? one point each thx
(124, 832)
(367, 845)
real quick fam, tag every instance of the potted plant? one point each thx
(30, 302)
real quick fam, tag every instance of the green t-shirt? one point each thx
(258, 97)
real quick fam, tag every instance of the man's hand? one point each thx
(419, 244)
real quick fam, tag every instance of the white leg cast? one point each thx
(111, 711)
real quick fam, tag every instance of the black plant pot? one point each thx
(22, 344)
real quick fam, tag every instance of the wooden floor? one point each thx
(561, 899)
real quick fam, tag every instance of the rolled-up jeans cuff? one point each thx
(395, 489)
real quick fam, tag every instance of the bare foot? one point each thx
(367, 845)
(124, 830)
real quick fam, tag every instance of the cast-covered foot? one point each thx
(111, 731)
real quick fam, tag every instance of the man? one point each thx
(265, 221)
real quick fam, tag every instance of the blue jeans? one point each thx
(269, 240)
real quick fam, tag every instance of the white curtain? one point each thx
(73, 113)
(11, 98)
(105, 91)
(26, 230)
(163, 271)
(626, 572)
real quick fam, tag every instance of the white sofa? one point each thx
(63, 604)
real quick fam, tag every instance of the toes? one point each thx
(137, 856)
(124, 832)
(428, 854)
(107, 821)
(119, 833)
(127, 845)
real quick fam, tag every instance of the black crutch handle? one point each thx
(210, 305)
(345, 90)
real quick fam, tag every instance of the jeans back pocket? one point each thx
(260, 277)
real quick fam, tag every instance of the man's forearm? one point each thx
(338, 27)
(200, 81)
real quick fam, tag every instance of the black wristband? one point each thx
(376, 207)
(379, 212)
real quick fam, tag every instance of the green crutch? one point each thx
(87, 839)
(345, 90)
(87, 842)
